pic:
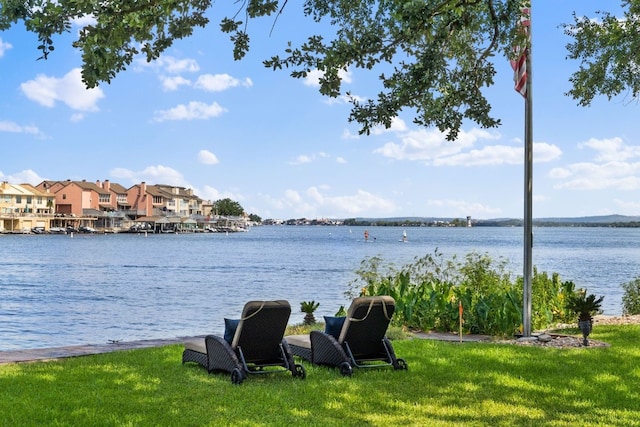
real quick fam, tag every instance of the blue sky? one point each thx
(198, 119)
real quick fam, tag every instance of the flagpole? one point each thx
(528, 193)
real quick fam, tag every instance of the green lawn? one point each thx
(446, 384)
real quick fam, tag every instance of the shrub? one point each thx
(631, 297)
(584, 306)
(428, 292)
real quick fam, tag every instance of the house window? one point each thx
(29, 200)
(18, 199)
(157, 200)
(64, 197)
(105, 198)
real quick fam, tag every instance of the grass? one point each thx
(446, 384)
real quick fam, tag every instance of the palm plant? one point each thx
(584, 306)
(309, 307)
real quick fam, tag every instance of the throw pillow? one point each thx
(230, 326)
(333, 325)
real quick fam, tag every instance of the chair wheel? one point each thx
(300, 372)
(236, 376)
(345, 369)
(401, 364)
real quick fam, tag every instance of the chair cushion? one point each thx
(303, 341)
(196, 345)
(333, 325)
(230, 326)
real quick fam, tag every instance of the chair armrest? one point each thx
(220, 355)
(325, 349)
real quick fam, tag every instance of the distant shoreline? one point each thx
(614, 221)
(474, 223)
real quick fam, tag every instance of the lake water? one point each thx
(56, 290)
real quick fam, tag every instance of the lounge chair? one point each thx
(255, 347)
(360, 342)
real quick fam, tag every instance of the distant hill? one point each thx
(607, 219)
(594, 221)
(602, 220)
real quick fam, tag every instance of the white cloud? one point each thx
(500, 154)
(592, 176)
(192, 111)
(4, 46)
(174, 65)
(609, 170)
(7, 126)
(207, 157)
(486, 156)
(397, 125)
(219, 82)
(426, 145)
(308, 158)
(69, 89)
(611, 149)
(292, 196)
(355, 204)
(316, 202)
(153, 174)
(341, 160)
(173, 83)
(347, 134)
(26, 176)
(213, 194)
(463, 208)
(314, 76)
(301, 159)
(77, 117)
(543, 152)
(628, 207)
(343, 99)
(559, 173)
(431, 146)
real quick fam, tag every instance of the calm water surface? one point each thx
(57, 290)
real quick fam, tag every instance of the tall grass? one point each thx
(446, 384)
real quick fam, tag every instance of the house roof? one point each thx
(117, 188)
(14, 189)
(36, 192)
(91, 186)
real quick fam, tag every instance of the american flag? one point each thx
(519, 64)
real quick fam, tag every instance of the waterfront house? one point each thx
(103, 205)
(24, 207)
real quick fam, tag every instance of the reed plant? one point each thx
(447, 384)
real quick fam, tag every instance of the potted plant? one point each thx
(309, 307)
(584, 306)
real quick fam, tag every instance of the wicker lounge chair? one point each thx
(361, 342)
(256, 347)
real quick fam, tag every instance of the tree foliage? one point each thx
(607, 48)
(433, 58)
(227, 207)
(255, 218)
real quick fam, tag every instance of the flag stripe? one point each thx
(520, 64)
